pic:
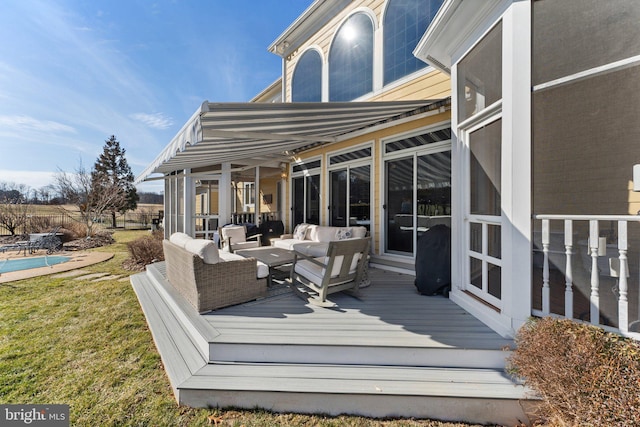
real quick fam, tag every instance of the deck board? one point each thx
(388, 313)
(361, 380)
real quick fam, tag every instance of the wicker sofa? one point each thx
(210, 279)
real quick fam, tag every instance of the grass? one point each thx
(86, 344)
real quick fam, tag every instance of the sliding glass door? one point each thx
(350, 196)
(417, 188)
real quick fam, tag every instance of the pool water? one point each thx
(29, 263)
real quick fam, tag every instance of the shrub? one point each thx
(145, 250)
(76, 229)
(584, 375)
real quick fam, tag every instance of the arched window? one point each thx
(306, 85)
(405, 21)
(351, 59)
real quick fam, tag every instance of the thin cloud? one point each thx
(155, 121)
(30, 123)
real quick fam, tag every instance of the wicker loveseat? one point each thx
(209, 279)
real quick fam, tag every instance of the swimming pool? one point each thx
(29, 263)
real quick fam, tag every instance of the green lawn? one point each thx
(86, 344)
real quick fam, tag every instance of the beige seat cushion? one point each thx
(263, 269)
(312, 249)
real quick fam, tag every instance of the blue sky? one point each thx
(74, 72)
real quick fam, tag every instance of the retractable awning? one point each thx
(259, 133)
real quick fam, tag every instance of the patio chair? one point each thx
(345, 260)
(234, 237)
(21, 246)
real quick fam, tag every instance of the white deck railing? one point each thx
(570, 239)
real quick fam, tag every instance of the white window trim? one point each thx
(592, 72)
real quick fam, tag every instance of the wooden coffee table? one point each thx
(271, 256)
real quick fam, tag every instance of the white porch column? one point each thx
(224, 195)
(516, 182)
(167, 206)
(189, 203)
(257, 196)
(284, 194)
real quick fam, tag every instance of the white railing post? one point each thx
(546, 305)
(568, 290)
(594, 299)
(623, 302)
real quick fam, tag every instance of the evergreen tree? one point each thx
(112, 170)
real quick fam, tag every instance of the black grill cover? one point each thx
(433, 261)
(269, 230)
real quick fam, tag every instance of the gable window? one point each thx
(306, 84)
(351, 59)
(405, 21)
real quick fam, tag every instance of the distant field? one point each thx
(56, 209)
(141, 218)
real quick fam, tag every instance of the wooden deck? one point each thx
(390, 352)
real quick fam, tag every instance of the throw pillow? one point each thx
(300, 232)
(344, 233)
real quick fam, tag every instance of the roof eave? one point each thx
(452, 26)
(313, 18)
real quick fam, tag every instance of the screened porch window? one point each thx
(480, 75)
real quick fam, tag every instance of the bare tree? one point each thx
(14, 209)
(90, 200)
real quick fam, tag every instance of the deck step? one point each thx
(476, 395)
(181, 356)
(471, 395)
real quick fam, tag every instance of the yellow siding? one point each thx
(268, 186)
(213, 202)
(435, 85)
